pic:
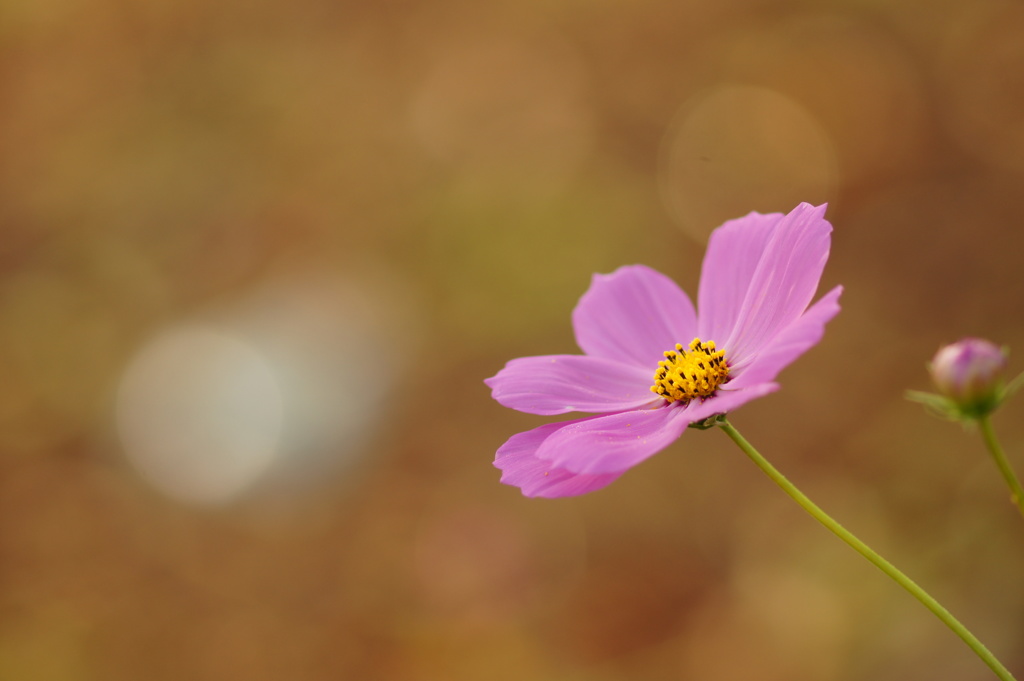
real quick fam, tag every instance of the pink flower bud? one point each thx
(968, 372)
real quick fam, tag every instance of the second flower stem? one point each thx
(989, 435)
(863, 549)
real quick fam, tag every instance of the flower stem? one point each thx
(863, 549)
(989, 435)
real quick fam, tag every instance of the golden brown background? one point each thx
(257, 257)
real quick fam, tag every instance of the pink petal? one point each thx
(791, 342)
(726, 400)
(617, 442)
(576, 457)
(535, 477)
(613, 443)
(633, 315)
(558, 384)
(733, 253)
(759, 275)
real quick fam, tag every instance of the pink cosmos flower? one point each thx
(652, 366)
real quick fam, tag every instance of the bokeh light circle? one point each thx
(199, 413)
(737, 148)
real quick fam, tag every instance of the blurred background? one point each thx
(256, 259)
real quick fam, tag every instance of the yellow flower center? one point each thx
(686, 374)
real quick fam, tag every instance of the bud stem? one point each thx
(989, 435)
(863, 549)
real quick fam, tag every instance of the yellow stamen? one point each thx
(686, 374)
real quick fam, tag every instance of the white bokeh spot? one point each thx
(200, 414)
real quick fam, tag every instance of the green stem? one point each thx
(989, 435)
(863, 549)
